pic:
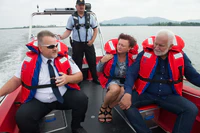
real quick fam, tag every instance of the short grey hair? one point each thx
(42, 34)
(170, 34)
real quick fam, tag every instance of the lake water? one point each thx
(13, 42)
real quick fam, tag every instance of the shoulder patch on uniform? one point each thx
(71, 60)
(148, 55)
(74, 17)
(178, 55)
(63, 59)
(28, 59)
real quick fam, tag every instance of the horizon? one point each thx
(53, 25)
(151, 17)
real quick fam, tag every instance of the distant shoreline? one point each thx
(155, 24)
(27, 27)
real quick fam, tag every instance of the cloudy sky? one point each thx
(15, 13)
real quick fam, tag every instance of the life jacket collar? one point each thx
(178, 43)
(111, 47)
(62, 48)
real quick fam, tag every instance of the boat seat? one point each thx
(54, 121)
(148, 108)
(150, 115)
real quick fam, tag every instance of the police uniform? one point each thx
(80, 38)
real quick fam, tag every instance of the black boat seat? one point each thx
(54, 121)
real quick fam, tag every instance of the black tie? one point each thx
(54, 88)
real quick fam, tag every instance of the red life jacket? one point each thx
(149, 62)
(31, 68)
(109, 68)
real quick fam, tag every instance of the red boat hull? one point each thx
(8, 110)
(164, 118)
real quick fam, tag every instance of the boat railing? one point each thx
(67, 11)
(1, 99)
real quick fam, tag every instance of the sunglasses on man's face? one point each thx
(51, 46)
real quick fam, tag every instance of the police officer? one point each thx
(84, 29)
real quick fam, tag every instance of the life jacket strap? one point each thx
(38, 86)
(168, 81)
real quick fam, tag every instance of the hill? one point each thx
(141, 21)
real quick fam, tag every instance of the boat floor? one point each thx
(91, 124)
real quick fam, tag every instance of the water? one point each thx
(13, 42)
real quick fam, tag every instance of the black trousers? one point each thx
(30, 113)
(81, 48)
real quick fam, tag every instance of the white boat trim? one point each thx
(3, 99)
(191, 94)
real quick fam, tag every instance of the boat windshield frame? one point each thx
(64, 11)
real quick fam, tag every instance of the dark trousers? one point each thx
(30, 113)
(79, 49)
(186, 111)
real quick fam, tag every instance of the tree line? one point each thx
(157, 24)
(175, 24)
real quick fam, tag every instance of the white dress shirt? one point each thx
(46, 95)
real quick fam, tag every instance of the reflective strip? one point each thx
(62, 60)
(35, 43)
(179, 55)
(28, 59)
(175, 42)
(150, 41)
(148, 55)
(111, 45)
(59, 48)
(134, 56)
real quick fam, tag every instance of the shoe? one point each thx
(96, 82)
(102, 114)
(108, 114)
(79, 130)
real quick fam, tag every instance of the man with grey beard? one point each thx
(157, 75)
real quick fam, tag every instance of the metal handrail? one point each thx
(65, 11)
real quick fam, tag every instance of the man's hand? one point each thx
(125, 102)
(62, 80)
(90, 42)
(106, 58)
(60, 37)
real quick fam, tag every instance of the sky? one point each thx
(16, 13)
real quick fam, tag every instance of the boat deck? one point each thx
(91, 124)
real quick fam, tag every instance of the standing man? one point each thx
(49, 81)
(157, 75)
(84, 29)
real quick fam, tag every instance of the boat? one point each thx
(158, 119)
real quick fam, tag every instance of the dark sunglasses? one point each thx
(51, 46)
